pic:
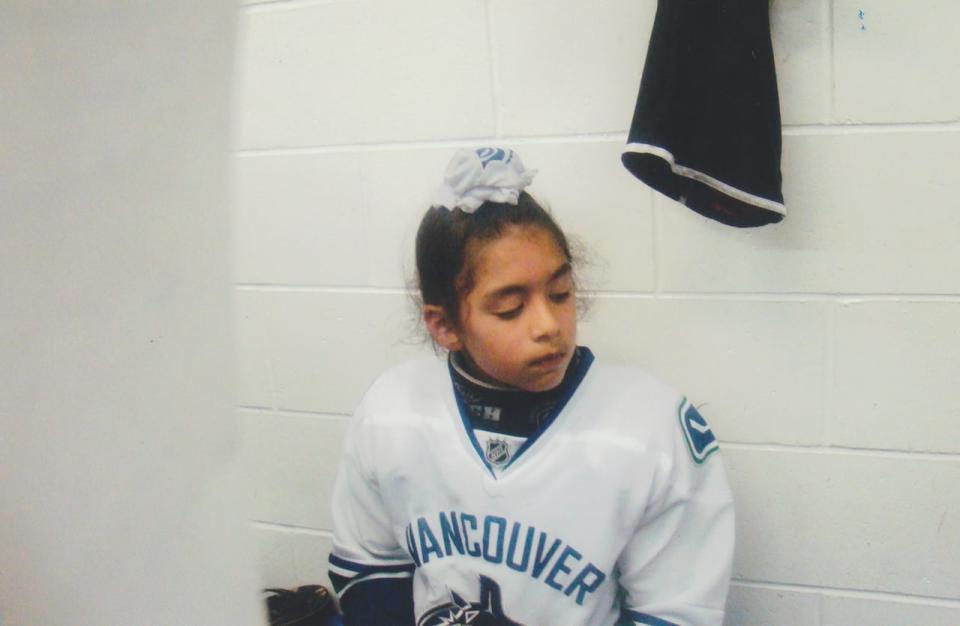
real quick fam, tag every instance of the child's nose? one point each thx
(544, 323)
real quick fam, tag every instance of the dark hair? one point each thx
(444, 237)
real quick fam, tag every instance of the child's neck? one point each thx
(465, 366)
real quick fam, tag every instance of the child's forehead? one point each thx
(519, 252)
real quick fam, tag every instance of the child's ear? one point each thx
(444, 333)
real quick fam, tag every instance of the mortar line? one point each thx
(291, 528)
(872, 128)
(950, 457)
(821, 609)
(343, 290)
(265, 6)
(839, 298)
(656, 204)
(468, 142)
(829, 372)
(253, 408)
(830, 63)
(329, 415)
(494, 70)
(851, 592)
(264, 313)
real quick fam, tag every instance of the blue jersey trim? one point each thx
(467, 427)
(643, 619)
(586, 360)
(359, 572)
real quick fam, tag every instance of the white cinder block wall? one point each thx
(824, 350)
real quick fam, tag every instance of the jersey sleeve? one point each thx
(675, 570)
(370, 571)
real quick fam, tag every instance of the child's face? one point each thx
(519, 322)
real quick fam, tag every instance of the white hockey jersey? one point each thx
(619, 512)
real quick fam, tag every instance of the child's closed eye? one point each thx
(510, 313)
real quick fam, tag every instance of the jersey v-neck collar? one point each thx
(571, 384)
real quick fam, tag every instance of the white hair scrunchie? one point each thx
(476, 176)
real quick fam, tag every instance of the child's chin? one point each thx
(545, 383)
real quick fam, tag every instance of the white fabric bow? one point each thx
(476, 176)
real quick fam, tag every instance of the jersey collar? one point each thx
(579, 366)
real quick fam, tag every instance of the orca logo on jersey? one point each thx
(498, 451)
(697, 432)
(487, 612)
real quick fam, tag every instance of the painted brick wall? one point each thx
(824, 350)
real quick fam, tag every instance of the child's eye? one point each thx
(509, 315)
(560, 297)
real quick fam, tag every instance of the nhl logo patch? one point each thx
(498, 451)
(699, 436)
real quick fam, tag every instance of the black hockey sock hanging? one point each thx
(706, 128)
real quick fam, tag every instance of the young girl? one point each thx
(522, 482)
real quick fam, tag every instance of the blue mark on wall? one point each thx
(860, 14)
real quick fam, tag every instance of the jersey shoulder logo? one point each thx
(487, 612)
(699, 436)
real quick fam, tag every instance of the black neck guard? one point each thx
(513, 411)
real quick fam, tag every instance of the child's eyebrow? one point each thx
(561, 272)
(511, 290)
